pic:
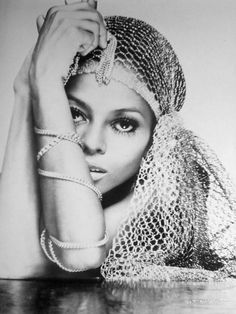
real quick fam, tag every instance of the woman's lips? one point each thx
(97, 173)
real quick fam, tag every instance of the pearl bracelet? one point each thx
(71, 137)
(56, 260)
(44, 247)
(55, 175)
(66, 245)
(52, 256)
(75, 245)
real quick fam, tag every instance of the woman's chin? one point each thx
(102, 186)
(97, 176)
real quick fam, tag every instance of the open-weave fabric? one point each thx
(181, 222)
(182, 214)
(144, 61)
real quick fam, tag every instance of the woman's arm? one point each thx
(71, 212)
(19, 200)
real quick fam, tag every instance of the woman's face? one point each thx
(115, 125)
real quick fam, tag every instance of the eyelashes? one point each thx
(77, 115)
(123, 125)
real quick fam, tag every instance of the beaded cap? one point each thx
(181, 220)
(144, 60)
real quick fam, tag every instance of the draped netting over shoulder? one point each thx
(181, 221)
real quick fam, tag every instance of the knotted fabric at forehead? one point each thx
(143, 60)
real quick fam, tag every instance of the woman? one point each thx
(122, 184)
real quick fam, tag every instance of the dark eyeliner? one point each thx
(128, 120)
(76, 111)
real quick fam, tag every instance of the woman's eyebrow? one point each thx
(130, 109)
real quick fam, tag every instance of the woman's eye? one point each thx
(77, 115)
(125, 125)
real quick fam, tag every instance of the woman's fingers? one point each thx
(93, 4)
(91, 21)
(39, 22)
(64, 31)
(74, 6)
(84, 9)
(91, 32)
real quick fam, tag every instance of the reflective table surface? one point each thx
(98, 297)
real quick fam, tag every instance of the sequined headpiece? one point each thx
(140, 57)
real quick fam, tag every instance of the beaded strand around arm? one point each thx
(75, 245)
(71, 137)
(44, 247)
(49, 252)
(62, 177)
(56, 260)
(66, 245)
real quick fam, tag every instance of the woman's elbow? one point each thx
(84, 259)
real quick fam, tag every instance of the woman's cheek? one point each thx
(131, 150)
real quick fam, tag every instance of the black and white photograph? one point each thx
(118, 156)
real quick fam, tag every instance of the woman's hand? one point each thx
(66, 30)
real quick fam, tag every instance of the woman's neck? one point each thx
(118, 194)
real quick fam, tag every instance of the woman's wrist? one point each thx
(22, 103)
(50, 106)
(21, 93)
(46, 88)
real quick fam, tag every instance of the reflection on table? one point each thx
(100, 297)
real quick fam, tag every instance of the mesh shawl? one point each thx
(180, 224)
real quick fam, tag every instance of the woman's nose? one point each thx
(93, 141)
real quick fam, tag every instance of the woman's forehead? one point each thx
(112, 97)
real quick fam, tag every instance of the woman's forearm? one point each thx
(72, 212)
(19, 201)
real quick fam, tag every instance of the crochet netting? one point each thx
(180, 224)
